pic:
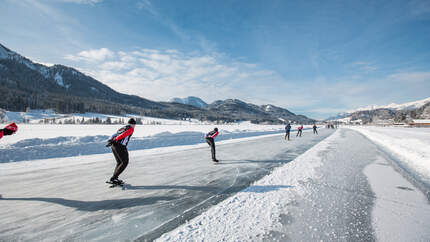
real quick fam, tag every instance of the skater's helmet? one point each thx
(132, 121)
(216, 129)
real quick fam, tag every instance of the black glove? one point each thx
(7, 131)
(110, 143)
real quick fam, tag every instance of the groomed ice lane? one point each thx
(70, 201)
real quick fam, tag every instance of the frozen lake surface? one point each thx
(67, 199)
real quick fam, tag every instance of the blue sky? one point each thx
(316, 58)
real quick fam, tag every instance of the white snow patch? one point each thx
(410, 145)
(3, 53)
(255, 210)
(44, 71)
(33, 142)
(389, 218)
(28, 64)
(118, 217)
(421, 121)
(59, 79)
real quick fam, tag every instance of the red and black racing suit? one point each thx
(119, 148)
(8, 130)
(210, 140)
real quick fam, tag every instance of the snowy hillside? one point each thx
(410, 146)
(5, 53)
(394, 106)
(51, 117)
(388, 114)
(193, 101)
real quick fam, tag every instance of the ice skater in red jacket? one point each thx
(119, 142)
(299, 131)
(10, 129)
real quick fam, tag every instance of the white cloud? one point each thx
(95, 55)
(419, 7)
(184, 35)
(163, 74)
(145, 4)
(115, 65)
(365, 66)
(411, 77)
(81, 1)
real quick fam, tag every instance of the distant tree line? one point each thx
(94, 120)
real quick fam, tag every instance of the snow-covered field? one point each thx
(43, 141)
(411, 146)
(50, 116)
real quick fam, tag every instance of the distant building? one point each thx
(420, 123)
(383, 122)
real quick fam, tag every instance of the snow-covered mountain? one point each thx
(395, 106)
(66, 90)
(392, 112)
(193, 101)
(235, 109)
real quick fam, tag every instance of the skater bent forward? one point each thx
(10, 129)
(210, 139)
(119, 142)
(299, 131)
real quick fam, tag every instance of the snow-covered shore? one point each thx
(34, 141)
(411, 146)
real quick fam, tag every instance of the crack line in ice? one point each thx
(199, 204)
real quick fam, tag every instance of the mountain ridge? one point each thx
(66, 90)
(401, 113)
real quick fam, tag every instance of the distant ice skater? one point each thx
(299, 131)
(287, 131)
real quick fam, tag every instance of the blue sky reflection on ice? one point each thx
(312, 57)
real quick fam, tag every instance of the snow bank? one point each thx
(256, 210)
(411, 146)
(52, 141)
(38, 116)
